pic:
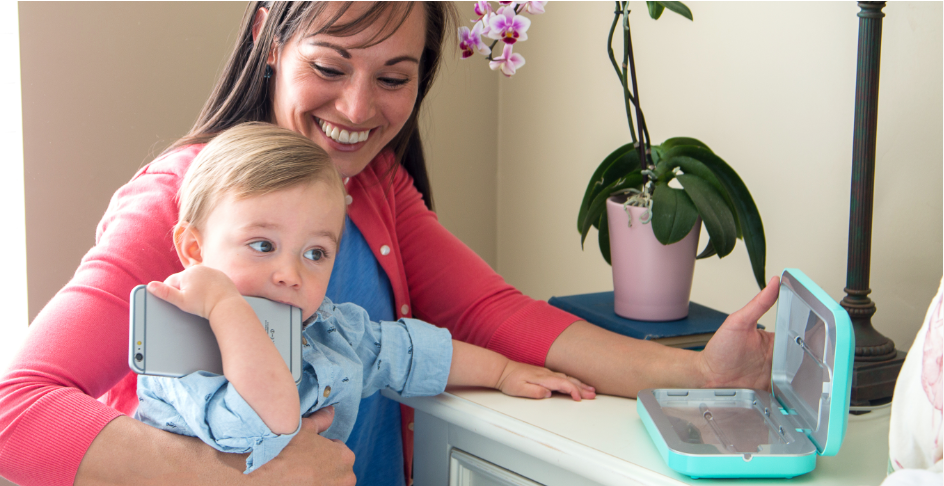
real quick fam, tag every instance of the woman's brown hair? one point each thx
(241, 93)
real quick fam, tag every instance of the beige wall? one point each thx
(770, 87)
(106, 86)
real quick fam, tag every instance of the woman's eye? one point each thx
(262, 246)
(393, 82)
(327, 72)
(315, 254)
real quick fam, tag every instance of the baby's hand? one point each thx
(196, 290)
(522, 380)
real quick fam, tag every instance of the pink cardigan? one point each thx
(71, 377)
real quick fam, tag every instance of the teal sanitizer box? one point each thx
(743, 433)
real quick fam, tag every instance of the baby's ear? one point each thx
(189, 244)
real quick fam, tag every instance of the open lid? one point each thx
(814, 347)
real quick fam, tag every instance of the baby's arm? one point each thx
(475, 366)
(251, 362)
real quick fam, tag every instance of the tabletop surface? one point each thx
(607, 433)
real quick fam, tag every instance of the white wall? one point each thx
(13, 285)
(770, 88)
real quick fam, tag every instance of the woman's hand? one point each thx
(523, 380)
(310, 458)
(197, 290)
(739, 355)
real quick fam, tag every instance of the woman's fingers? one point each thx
(320, 420)
(748, 315)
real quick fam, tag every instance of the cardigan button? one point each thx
(410, 426)
(348, 199)
(404, 309)
(327, 391)
(385, 250)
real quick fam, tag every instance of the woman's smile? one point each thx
(341, 135)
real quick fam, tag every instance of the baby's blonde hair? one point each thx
(251, 159)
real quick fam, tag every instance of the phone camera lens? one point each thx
(138, 357)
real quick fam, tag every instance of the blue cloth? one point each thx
(345, 357)
(376, 439)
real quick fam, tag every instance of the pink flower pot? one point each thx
(651, 281)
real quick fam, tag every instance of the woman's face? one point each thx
(349, 100)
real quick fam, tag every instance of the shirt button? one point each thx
(346, 180)
(304, 341)
(327, 391)
(410, 426)
(404, 309)
(348, 199)
(385, 250)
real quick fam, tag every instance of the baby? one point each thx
(261, 214)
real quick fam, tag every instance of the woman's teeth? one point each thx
(343, 136)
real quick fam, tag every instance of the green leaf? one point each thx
(714, 211)
(673, 213)
(655, 9)
(598, 205)
(603, 235)
(752, 228)
(619, 163)
(709, 251)
(679, 8)
(695, 167)
(679, 141)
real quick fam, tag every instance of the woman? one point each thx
(352, 78)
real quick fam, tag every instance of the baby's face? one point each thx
(280, 246)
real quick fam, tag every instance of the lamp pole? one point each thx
(877, 362)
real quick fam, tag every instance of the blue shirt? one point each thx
(376, 439)
(345, 357)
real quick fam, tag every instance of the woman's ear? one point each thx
(257, 21)
(189, 244)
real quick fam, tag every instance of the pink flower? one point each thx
(482, 9)
(508, 27)
(533, 7)
(508, 62)
(471, 40)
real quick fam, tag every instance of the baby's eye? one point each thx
(315, 254)
(262, 246)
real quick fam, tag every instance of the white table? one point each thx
(483, 438)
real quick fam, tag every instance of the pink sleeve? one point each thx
(77, 348)
(453, 287)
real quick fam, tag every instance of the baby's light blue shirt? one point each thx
(347, 357)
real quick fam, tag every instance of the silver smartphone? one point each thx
(166, 341)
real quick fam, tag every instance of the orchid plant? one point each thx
(710, 188)
(506, 24)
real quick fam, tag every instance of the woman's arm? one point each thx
(129, 452)
(738, 355)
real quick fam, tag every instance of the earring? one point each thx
(268, 72)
